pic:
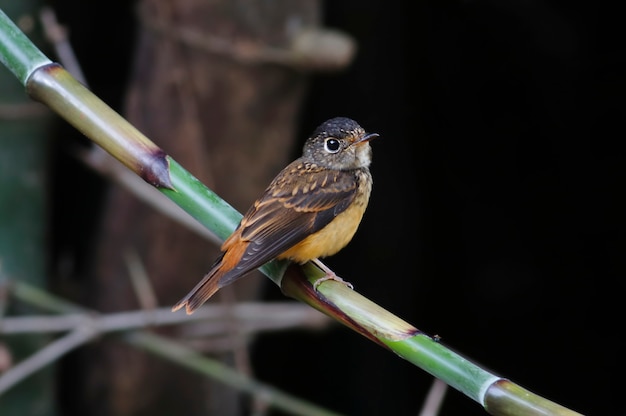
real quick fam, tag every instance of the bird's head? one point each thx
(339, 143)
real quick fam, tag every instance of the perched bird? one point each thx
(310, 210)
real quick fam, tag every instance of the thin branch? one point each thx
(140, 281)
(267, 320)
(160, 346)
(236, 334)
(310, 49)
(252, 315)
(57, 36)
(434, 399)
(45, 356)
(193, 360)
(109, 167)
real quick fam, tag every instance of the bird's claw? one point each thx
(331, 277)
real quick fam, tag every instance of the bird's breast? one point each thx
(338, 233)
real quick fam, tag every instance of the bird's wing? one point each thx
(290, 210)
(293, 207)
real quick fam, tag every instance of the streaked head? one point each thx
(339, 143)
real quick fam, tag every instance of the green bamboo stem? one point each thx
(498, 395)
(17, 52)
(55, 88)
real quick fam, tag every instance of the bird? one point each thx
(310, 210)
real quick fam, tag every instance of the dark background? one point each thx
(497, 216)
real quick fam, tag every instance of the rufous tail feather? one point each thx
(200, 294)
(212, 281)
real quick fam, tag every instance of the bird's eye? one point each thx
(332, 145)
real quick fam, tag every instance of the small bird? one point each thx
(310, 210)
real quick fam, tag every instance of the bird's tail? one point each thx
(206, 288)
(226, 269)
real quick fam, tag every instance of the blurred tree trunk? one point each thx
(231, 124)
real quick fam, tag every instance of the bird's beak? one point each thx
(366, 138)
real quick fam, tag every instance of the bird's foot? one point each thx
(330, 275)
